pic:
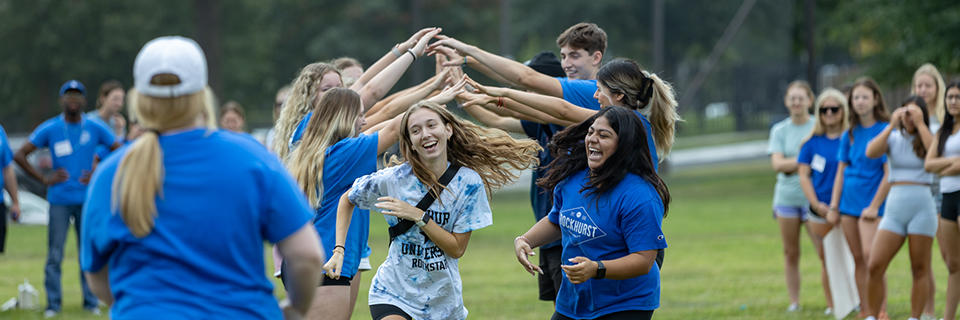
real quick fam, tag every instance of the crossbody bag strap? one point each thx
(404, 225)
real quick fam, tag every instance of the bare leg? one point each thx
(354, 290)
(817, 231)
(868, 231)
(330, 302)
(851, 231)
(948, 234)
(885, 246)
(790, 234)
(920, 247)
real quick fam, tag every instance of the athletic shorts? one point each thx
(790, 212)
(364, 264)
(951, 206)
(552, 275)
(380, 311)
(910, 210)
(813, 217)
(622, 315)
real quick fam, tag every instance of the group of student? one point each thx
(879, 179)
(174, 216)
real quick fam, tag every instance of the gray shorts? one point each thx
(910, 210)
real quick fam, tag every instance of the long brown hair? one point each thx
(333, 120)
(302, 97)
(880, 112)
(492, 153)
(105, 89)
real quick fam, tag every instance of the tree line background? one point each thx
(254, 47)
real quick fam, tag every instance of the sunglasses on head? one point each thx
(823, 110)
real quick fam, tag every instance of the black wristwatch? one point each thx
(601, 270)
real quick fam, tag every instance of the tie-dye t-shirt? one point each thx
(417, 276)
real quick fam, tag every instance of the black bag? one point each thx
(404, 225)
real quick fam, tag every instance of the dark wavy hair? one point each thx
(948, 121)
(632, 156)
(918, 148)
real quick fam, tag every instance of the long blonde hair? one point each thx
(301, 98)
(828, 94)
(492, 153)
(641, 89)
(333, 119)
(139, 178)
(931, 70)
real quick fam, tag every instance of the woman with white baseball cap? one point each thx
(176, 224)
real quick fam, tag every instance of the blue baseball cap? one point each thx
(73, 85)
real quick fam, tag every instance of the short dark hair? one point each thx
(586, 36)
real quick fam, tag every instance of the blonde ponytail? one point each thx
(139, 177)
(663, 114)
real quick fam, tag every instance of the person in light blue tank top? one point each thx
(910, 210)
(861, 186)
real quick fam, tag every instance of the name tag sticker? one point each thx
(818, 163)
(62, 148)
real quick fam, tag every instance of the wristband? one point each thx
(499, 102)
(395, 51)
(342, 248)
(412, 54)
(464, 61)
(522, 238)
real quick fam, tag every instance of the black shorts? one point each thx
(380, 311)
(552, 275)
(343, 281)
(622, 315)
(951, 206)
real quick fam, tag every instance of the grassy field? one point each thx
(724, 261)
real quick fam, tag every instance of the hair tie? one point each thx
(155, 131)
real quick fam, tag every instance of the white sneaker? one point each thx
(49, 314)
(94, 311)
(927, 317)
(794, 307)
(827, 312)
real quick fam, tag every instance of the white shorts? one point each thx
(364, 264)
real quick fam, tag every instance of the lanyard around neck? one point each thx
(66, 133)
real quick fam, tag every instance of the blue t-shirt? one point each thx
(345, 161)
(72, 146)
(628, 219)
(820, 153)
(6, 156)
(294, 139)
(540, 199)
(580, 92)
(223, 196)
(862, 176)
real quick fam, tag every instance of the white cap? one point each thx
(174, 55)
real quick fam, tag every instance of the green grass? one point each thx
(724, 261)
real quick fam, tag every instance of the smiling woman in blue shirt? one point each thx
(608, 212)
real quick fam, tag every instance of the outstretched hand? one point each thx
(462, 49)
(420, 48)
(490, 91)
(450, 92)
(523, 251)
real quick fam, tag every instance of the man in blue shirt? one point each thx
(72, 139)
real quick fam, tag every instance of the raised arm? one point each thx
(389, 58)
(452, 58)
(400, 103)
(514, 72)
(378, 87)
(878, 145)
(492, 120)
(555, 107)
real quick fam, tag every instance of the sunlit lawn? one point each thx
(724, 259)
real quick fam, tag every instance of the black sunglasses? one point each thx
(823, 110)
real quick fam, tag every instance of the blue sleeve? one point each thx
(286, 209)
(806, 152)
(301, 127)
(580, 92)
(368, 188)
(554, 214)
(96, 245)
(844, 154)
(6, 155)
(474, 208)
(530, 128)
(104, 135)
(40, 137)
(640, 222)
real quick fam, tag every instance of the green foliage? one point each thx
(895, 37)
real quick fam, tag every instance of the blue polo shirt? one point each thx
(72, 146)
(223, 195)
